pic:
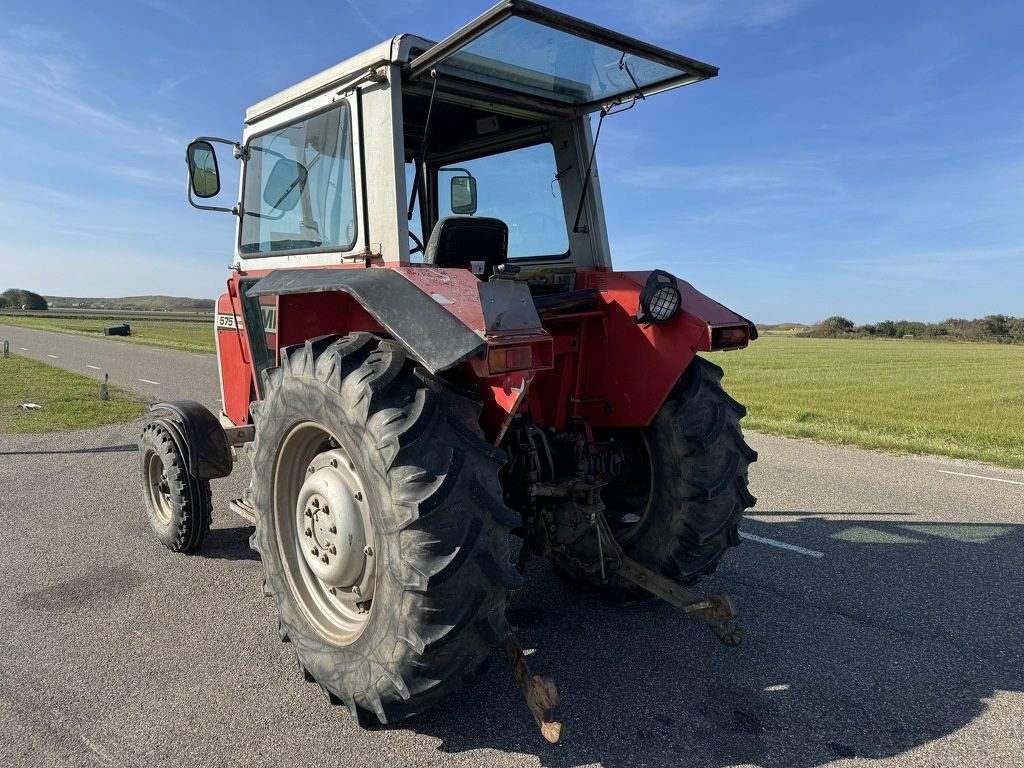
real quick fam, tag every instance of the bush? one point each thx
(19, 298)
(836, 325)
(994, 328)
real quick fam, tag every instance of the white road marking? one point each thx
(150, 382)
(94, 367)
(54, 357)
(23, 349)
(780, 544)
(980, 477)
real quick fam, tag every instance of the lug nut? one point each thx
(333, 590)
(368, 550)
(309, 512)
(314, 551)
(334, 463)
(334, 550)
(333, 529)
(359, 496)
(309, 531)
(325, 558)
(326, 510)
(316, 503)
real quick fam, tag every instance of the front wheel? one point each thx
(380, 521)
(179, 505)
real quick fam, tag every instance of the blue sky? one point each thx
(861, 158)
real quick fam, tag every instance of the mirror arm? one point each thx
(234, 209)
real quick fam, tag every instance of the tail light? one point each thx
(730, 337)
(505, 359)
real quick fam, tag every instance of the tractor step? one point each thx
(243, 509)
(717, 611)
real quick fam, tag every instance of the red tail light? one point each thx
(505, 359)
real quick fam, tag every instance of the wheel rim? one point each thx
(628, 496)
(324, 532)
(158, 487)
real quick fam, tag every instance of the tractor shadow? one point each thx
(229, 544)
(899, 636)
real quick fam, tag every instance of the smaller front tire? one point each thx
(179, 505)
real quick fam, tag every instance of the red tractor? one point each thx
(436, 374)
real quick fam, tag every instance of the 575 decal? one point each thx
(228, 322)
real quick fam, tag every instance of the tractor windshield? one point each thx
(536, 52)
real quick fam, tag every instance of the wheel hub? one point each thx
(331, 518)
(159, 487)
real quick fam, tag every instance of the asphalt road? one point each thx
(889, 636)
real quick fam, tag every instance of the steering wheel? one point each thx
(419, 244)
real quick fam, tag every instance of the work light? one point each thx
(659, 299)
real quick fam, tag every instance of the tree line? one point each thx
(1003, 329)
(19, 298)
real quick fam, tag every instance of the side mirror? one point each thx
(203, 174)
(463, 195)
(285, 185)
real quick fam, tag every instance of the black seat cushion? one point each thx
(476, 243)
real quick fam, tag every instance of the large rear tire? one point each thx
(380, 521)
(677, 506)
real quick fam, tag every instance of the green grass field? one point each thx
(189, 335)
(960, 400)
(69, 400)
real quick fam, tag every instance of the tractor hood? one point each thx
(554, 60)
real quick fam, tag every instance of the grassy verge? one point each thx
(189, 335)
(960, 400)
(69, 400)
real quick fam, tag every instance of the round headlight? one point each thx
(660, 299)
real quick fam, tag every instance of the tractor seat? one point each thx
(476, 243)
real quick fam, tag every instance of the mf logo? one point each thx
(269, 312)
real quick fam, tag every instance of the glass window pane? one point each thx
(415, 225)
(518, 187)
(299, 188)
(531, 58)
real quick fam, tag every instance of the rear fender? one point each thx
(445, 318)
(434, 313)
(628, 369)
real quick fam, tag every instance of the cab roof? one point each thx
(522, 52)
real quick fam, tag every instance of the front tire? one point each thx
(179, 505)
(405, 595)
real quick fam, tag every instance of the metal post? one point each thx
(104, 391)
(7, 349)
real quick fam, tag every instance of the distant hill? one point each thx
(789, 328)
(144, 303)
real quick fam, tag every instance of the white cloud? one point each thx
(43, 79)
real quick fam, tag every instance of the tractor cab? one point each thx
(513, 91)
(492, 122)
